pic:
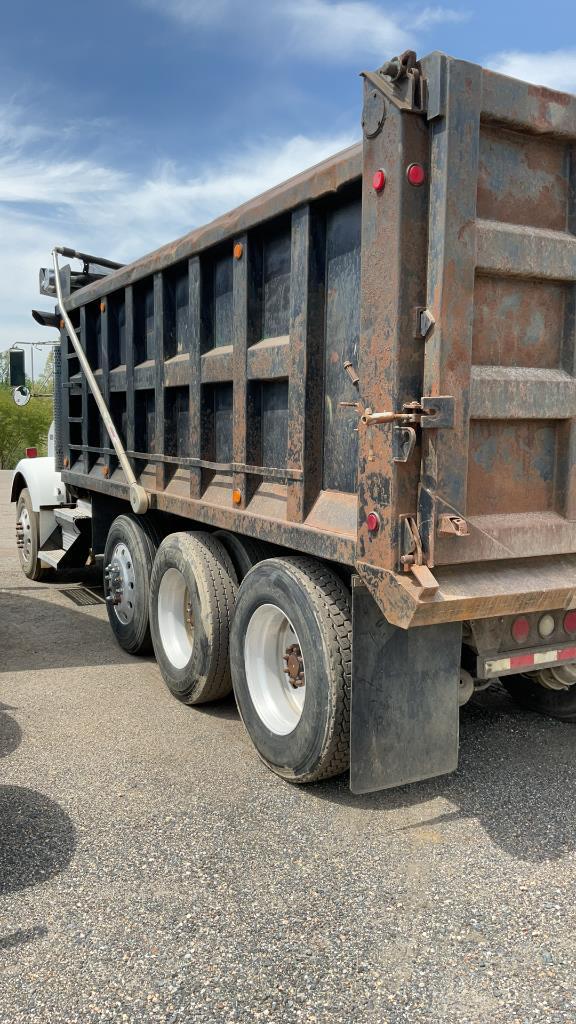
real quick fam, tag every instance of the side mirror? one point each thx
(17, 369)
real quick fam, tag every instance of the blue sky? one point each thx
(125, 124)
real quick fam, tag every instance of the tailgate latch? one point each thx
(432, 411)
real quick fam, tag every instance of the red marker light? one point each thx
(570, 622)
(416, 174)
(373, 522)
(379, 180)
(520, 629)
(31, 453)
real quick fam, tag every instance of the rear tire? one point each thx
(294, 614)
(244, 551)
(192, 593)
(532, 695)
(29, 520)
(128, 559)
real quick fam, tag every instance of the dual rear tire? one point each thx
(281, 640)
(290, 653)
(223, 616)
(128, 559)
(192, 592)
(531, 694)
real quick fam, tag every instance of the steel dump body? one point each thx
(222, 356)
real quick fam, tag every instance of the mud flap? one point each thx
(404, 707)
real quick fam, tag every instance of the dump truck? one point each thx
(325, 445)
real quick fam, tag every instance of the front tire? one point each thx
(192, 594)
(128, 559)
(28, 529)
(290, 654)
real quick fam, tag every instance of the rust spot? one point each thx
(549, 95)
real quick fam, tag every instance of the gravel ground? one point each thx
(152, 869)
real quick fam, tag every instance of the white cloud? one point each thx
(340, 30)
(345, 29)
(438, 16)
(555, 69)
(102, 209)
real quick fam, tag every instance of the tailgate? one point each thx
(501, 273)
(468, 303)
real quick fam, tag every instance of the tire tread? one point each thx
(331, 600)
(220, 577)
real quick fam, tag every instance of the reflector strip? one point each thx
(518, 662)
(521, 660)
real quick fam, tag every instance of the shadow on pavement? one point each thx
(517, 777)
(39, 634)
(22, 936)
(225, 709)
(37, 838)
(10, 731)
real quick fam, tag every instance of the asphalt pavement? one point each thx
(152, 868)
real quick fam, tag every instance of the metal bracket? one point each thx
(401, 82)
(413, 558)
(453, 526)
(439, 410)
(424, 322)
(403, 442)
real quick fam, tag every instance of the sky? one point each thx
(125, 124)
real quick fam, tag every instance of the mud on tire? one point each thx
(192, 593)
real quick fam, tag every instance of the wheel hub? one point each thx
(294, 666)
(120, 582)
(275, 670)
(175, 618)
(24, 534)
(560, 677)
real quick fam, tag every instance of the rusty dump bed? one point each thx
(223, 355)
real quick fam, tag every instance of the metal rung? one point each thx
(525, 252)
(518, 392)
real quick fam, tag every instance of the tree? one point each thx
(22, 427)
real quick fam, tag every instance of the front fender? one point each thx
(45, 487)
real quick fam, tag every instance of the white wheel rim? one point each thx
(120, 583)
(26, 525)
(277, 701)
(175, 620)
